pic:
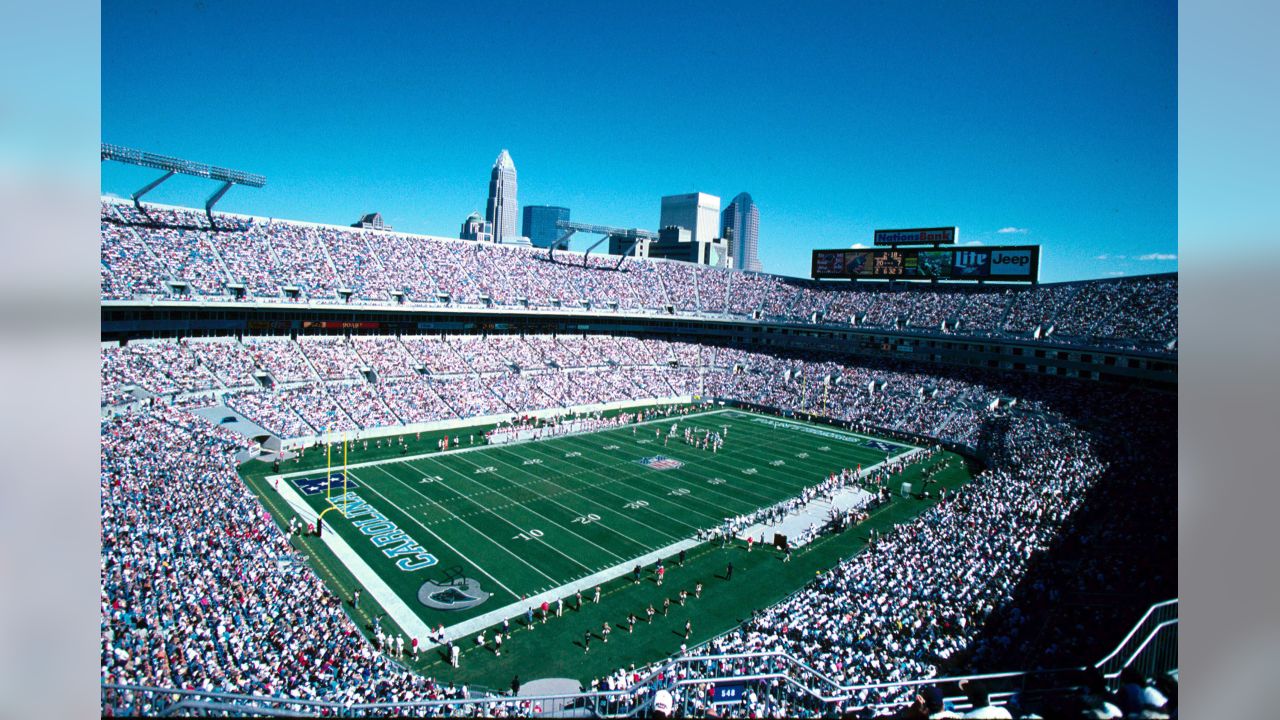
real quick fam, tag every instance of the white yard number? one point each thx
(530, 535)
(802, 456)
(610, 447)
(485, 469)
(777, 463)
(636, 504)
(749, 471)
(428, 479)
(575, 453)
(532, 461)
(825, 448)
(643, 441)
(587, 519)
(679, 491)
(716, 481)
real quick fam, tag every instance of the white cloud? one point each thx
(857, 246)
(1158, 256)
(1103, 256)
(974, 242)
(1114, 273)
(1011, 229)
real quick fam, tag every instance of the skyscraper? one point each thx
(740, 225)
(501, 209)
(695, 212)
(540, 224)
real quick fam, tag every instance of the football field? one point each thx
(467, 537)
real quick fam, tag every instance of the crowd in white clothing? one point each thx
(174, 254)
(201, 590)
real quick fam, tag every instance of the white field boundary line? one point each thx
(811, 426)
(477, 448)
(395, 607)
(585, 584)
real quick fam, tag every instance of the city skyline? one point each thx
(1020, 129)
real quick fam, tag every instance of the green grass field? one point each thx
(535, 516)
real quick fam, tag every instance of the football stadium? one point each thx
(348, 471)
(892, 435)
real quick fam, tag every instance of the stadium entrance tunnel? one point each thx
(268, 447)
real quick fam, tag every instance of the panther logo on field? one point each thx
(464, 593)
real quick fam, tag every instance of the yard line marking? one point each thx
(632, 487)
(485, 508)
(614, 468)
(464, 522)
(567, 491)
(544, 517)
(600, 486)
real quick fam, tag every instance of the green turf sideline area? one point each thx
(539, 516)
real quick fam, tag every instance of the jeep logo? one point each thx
(1010, 259)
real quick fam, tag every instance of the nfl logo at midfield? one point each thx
(660, 462)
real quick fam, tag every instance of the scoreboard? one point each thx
(1004, 263)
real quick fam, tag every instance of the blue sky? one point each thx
(1054, 122)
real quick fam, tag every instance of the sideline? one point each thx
(369, 580)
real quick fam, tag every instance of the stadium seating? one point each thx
(475, 376)
(208, 620)
(174, 255)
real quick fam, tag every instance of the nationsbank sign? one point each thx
(917, 236)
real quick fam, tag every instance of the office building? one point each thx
(699, 213)
(540, 225)
(677, 243)
(501, 209)
(371, 221)
(740, 227)
(475, 228)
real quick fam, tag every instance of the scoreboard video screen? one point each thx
(1004, 263)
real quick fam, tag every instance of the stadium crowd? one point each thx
(301, 388)
(175, 255)
(201, 590)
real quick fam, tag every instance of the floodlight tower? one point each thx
(173, 166)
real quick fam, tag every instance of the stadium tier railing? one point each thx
(778, 679)
(1151, 646)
